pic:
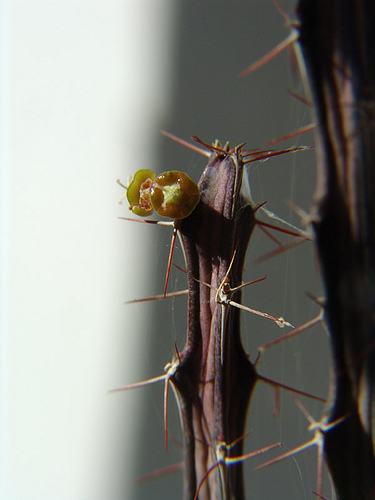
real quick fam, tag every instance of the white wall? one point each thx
(82, 96)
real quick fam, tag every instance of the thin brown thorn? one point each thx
(300, 98)
(291, 135)
(270, 55)
(290, 453)
(270, 235)
(290, 389)
(248, 284)
(180, 268)
(304, 410)
(145, 221)
(292, 244)
(282, 12)
(233, 443)
(210, 147)
(160, 472)
(185, 143)
(177, 353)
(283, 230)
(319, 496)
(295, 332)
(318, 300)
(138, 384)
(279, 321)
(242, 458)
(292, 228)
(259, 205)
(271, 154)
(159, 297)
(170, 260)
(217, 148)
(302, 214)
(253, 152)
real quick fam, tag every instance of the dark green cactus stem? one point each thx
(338, 42)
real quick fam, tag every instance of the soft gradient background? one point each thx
(85, 88)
